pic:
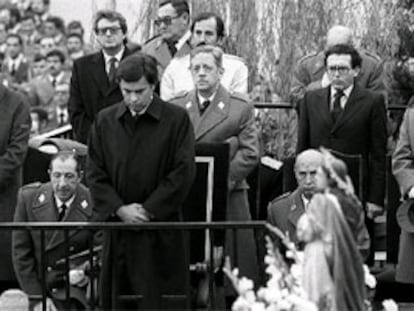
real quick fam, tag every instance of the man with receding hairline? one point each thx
(310, 70)
(284, 211)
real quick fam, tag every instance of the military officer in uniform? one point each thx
(172, 41)
(207, 28)
(310, 71)
(220, 116)
(61, 199)
(285, 211)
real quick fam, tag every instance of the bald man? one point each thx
(284, 211)
(310, 71)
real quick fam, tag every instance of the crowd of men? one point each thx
(140, 109)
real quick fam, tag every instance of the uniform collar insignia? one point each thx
(42, 198)
(84, 204)
(293, 207)
(188, 106)
(221, 105)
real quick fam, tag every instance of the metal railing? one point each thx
(114, 227)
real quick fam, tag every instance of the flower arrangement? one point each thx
(283, 290)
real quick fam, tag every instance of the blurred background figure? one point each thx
(15, 65)
(54, 27)
(39, 121)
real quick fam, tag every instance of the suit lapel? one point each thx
(114, 86)
(191, 105)
(215, 113)
(44, 209)
(323, 105)
(79, 211)
(353, 104)
(297, 209)
(99, 73)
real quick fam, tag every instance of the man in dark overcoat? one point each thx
(93, 85)
(14, 136)
(140, 168)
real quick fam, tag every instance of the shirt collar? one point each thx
(68, 203)
(57, 78)
(153, 109)
(183, 40)
(61, 110)
(17, 60)
(118, 55)
(346, 91)
(202, 99)
(305, 201)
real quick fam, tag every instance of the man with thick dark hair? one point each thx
(93, 84)
(140, 167)
(172, 21)
(347, 118)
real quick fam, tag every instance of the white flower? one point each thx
(258, 306)
(241, 304)
(389, 305)
(245, 285)
(370, 280)
(269, 260)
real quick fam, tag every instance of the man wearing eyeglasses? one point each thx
(93, 84)
(206, 28)
(172, 21)
(348, 118)
(310, 71)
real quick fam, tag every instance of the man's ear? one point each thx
(356, 70)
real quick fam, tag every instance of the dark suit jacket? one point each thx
(36, 203)
(21, 73)
(90, 92)
(361, 129)
(284, 212)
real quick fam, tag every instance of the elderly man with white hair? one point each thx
(310, 71)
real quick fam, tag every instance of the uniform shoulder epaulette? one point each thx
(32, 185)
(281, 197)
(308, 56)
(179, 95)
(240, 96)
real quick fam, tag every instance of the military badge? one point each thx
(188, 106)
(84, 204)
(221, 105)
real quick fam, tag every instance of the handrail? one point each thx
(123, 226)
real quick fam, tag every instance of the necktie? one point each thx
(61, 119)
(62, 212)
(112, 70)
(337, 109)
(172, 47)
(204, 106)
(13, 69)
(54, 82)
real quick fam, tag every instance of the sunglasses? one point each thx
(167, 20)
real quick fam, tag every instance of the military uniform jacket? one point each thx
(285, 211)
(37, 203)
(158, 48)
(177, 76)
(229, 118)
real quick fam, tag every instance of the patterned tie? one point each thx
(62, 212)
(112, 70)
(337, 108)
(204, 106)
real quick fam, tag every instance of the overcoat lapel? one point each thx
(215, 113)
(322, 105)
